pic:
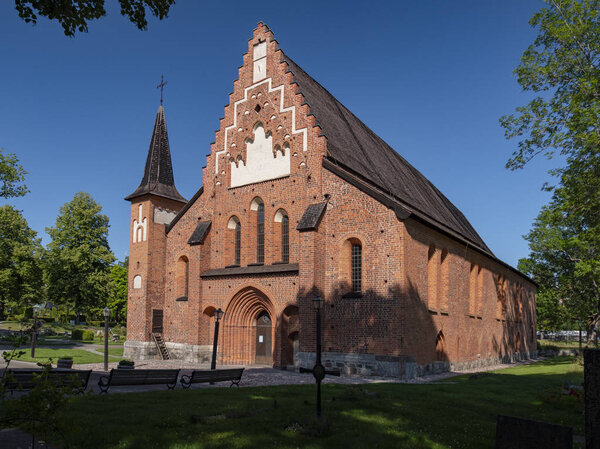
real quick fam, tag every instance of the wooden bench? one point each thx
(24, 379)
(122, 377)
(218, 375)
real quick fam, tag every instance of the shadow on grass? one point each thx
(377, 415)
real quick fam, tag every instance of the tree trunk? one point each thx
(594, 325)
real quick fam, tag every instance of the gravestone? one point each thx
(591, 386)
(518, 433)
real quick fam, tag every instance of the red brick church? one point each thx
(301, 199)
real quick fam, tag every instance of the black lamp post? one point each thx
(106, 313)
(34, 330)
(218, 315)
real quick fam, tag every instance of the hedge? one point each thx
(80, 334)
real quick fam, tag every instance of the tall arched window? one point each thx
(285, 239)
(356, 268)
(260, 233)
(432, 278)
(444, 281)
(238, 243)
(281, 232)
(234, 230)
(182, 278)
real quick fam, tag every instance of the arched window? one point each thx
(137, 281)
(432, 279)
(356, 267)
(285, 239)
(235, 232)
(238, 242)
(282, 233)
(260, 233)
(258, 206)
(182, 278)
(444, 281)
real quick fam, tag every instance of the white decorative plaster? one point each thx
(261, 163)
(137, 281)
(268, 81)
(233, 221)
(163, 216)
(279, 215)
(260, 50)
(260, 62)
(255, 203)
(139, 227)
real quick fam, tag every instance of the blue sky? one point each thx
(430, 77)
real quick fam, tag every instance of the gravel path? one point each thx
(259, 375)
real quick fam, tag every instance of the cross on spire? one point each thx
(160, 86)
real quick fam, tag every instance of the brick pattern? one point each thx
(395, 314)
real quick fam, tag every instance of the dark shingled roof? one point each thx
(311, 217)
(200, 233)
(352, 145)
(158, 174)
(256, 269)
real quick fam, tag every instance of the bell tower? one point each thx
(154, 204)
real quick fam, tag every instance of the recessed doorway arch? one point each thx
(248, 329)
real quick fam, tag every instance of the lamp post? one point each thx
(106, 313)
(36, 308)
(218, 315)
(318, 370)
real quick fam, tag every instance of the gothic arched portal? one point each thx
(248, 329)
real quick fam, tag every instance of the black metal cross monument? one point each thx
(319, 370)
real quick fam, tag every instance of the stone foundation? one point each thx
(402, 367)
(146, 350)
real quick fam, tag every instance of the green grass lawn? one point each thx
(461, 414)
(557, 345)
(43, 354)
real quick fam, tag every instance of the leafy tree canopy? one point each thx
(74, 15)
(118, 301)
(78, 256)
(11, 176)
(20, 257)
(563, 68)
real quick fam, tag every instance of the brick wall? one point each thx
(460, 306)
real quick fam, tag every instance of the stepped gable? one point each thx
(353, 146)
(158, 173)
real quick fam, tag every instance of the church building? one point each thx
(301, 199)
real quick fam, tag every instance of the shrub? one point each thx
(80, 334)
(126, 362)
(96, 323)
(88, 335)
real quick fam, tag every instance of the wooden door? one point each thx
(157, 321)
(264, 355)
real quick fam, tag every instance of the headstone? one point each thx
(591, 386)
(518, 433)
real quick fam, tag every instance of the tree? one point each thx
(11, 176)
(74, 15)
(563, 68)
(118, 301)
(20, 261)
(78, 257)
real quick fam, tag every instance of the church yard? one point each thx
(457, 412)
